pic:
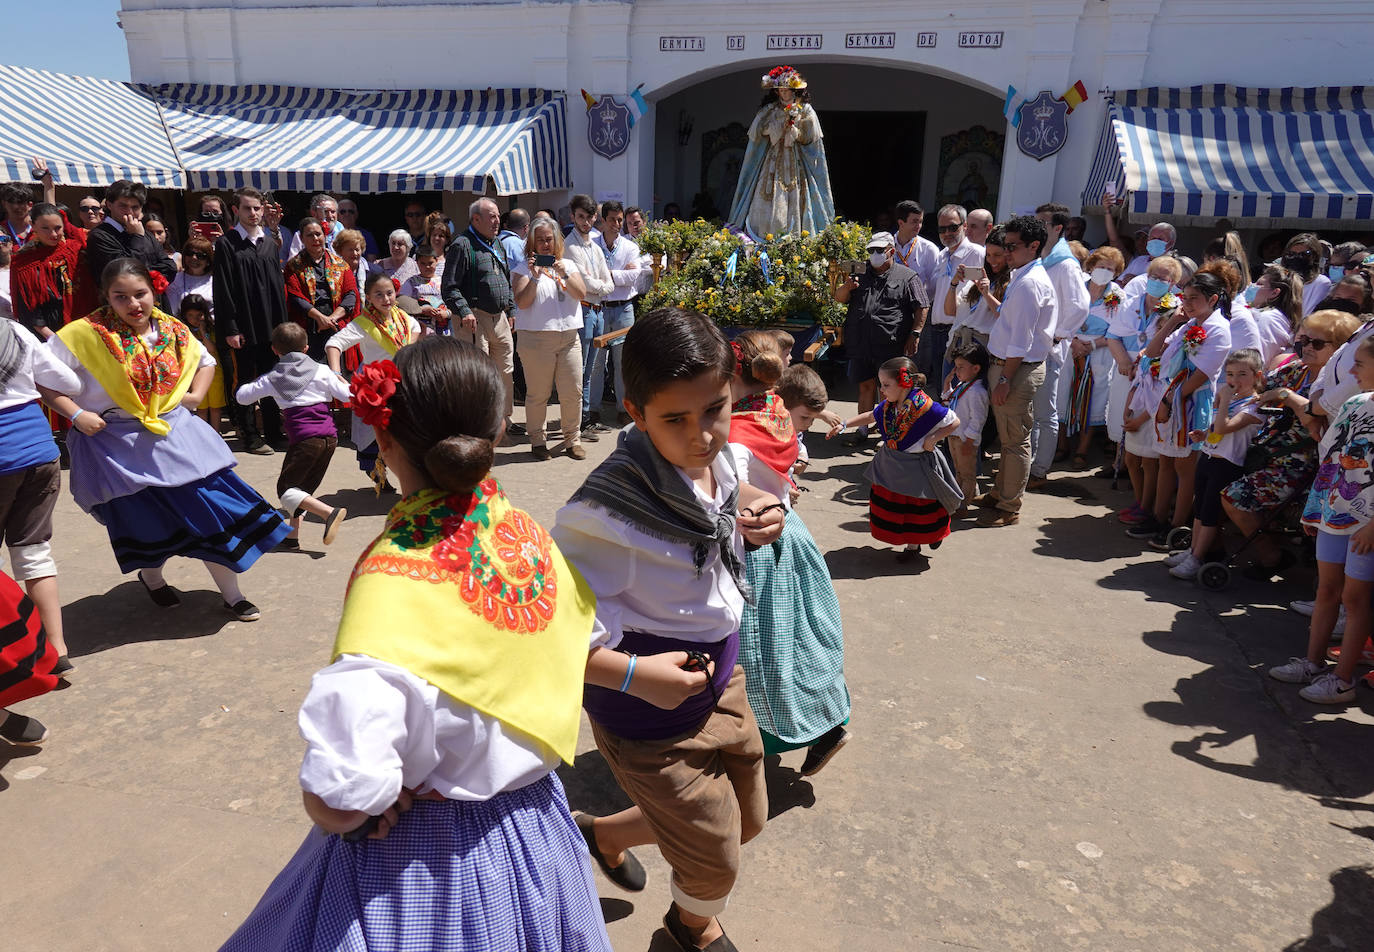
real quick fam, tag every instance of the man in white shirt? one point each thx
(912, 250)
(622, 257)
(596, 275)
(978, 226)
(1071, 298)
(1021, 339)
(957, 251)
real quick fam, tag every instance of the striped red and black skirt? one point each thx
(26, 657)
(905, 520)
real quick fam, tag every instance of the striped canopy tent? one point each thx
(288, 137)
(90, 131)
(1260, 157)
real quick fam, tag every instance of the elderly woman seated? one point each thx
(1285, 447)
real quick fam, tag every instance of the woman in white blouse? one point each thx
(548, 298)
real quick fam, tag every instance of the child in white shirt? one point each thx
(967, 396)
(1235, 422)
(302, 388)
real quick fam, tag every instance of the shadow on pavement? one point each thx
(1345, 923)
(10, 753)
(862, 562)
(613, 910)
(360, 502)
(1080, 539)
(125, 615)
(591, 787)
(787, 788)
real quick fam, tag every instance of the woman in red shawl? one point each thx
(49, 278)
(321, 290)
(26, 664)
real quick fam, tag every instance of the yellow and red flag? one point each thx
(1076, 95)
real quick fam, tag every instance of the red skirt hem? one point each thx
(906, 520)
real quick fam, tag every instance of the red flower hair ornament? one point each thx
(739, 354)
(905, 380)
(159, 282)
(372, 386)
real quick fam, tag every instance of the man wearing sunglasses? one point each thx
(956, 251)
(415, 224)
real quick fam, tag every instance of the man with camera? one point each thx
(957, 251)
(887, 311)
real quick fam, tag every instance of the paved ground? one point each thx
(1056, 747)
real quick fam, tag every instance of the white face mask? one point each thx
(1101, 275)
(877, 259)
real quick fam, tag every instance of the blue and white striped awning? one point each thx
(1255, 156)
(368, 141)
(90, 131)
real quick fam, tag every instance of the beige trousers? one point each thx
(552, 358)
(703, 795)
(1014, 421)
(493, 335)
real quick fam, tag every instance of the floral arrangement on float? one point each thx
(737, 282)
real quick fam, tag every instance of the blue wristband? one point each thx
(79, 411)
(629, 673)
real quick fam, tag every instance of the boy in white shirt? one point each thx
(302, 388)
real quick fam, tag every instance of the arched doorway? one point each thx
(891, 133)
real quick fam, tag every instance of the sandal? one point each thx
(331, 525)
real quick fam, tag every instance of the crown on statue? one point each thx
(783, 77)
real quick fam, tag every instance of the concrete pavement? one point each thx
(1056, 746)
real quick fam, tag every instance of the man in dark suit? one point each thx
(250, 300)
(121, 234)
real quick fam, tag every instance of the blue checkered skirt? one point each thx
(791, 642)
(509, 874)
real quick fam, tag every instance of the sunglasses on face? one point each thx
(197, 256)
(90, 208)
(949, 229)
(1013, 245)
(1314, 343)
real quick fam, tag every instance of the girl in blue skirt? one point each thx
(152, 472)
(454, 692)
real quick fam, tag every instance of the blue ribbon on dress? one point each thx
(763, 266)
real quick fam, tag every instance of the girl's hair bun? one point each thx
(459, 463)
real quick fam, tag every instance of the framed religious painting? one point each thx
(970, 168)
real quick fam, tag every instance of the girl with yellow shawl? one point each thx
(152, 472)
(380, 330)
(455, 690)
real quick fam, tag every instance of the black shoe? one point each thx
(597, 426)
(541, 453)
(63, 668)
(243, 610)
(289, 545)
(590, 435)
(331, 525)
(629, 875)
(1147, 529)
(1160, 540)
(682, 936)
(164, 597)
(823, 749)
(23, 731)
(515, 429)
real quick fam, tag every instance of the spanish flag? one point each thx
(587, 98)
(1076, 95)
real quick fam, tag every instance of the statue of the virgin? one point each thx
(784, 185)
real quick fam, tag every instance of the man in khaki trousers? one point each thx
(476, 287)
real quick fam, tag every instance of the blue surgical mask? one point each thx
(1335, 272)
(1156, 287)
(1155, 247)
(1250, 293)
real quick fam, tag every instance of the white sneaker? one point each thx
(1187, 568)
(1306, 608)
(1303, 608)
(1177, 557)
(1339, 628)
(1328, 689)
(1297, 671)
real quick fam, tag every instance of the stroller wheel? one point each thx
(1179, 538)
(1214, 576)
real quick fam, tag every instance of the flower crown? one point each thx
(372, 387)
(783, 76)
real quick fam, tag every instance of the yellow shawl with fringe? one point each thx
(390, 332)
(144, 381)
(471, 594)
